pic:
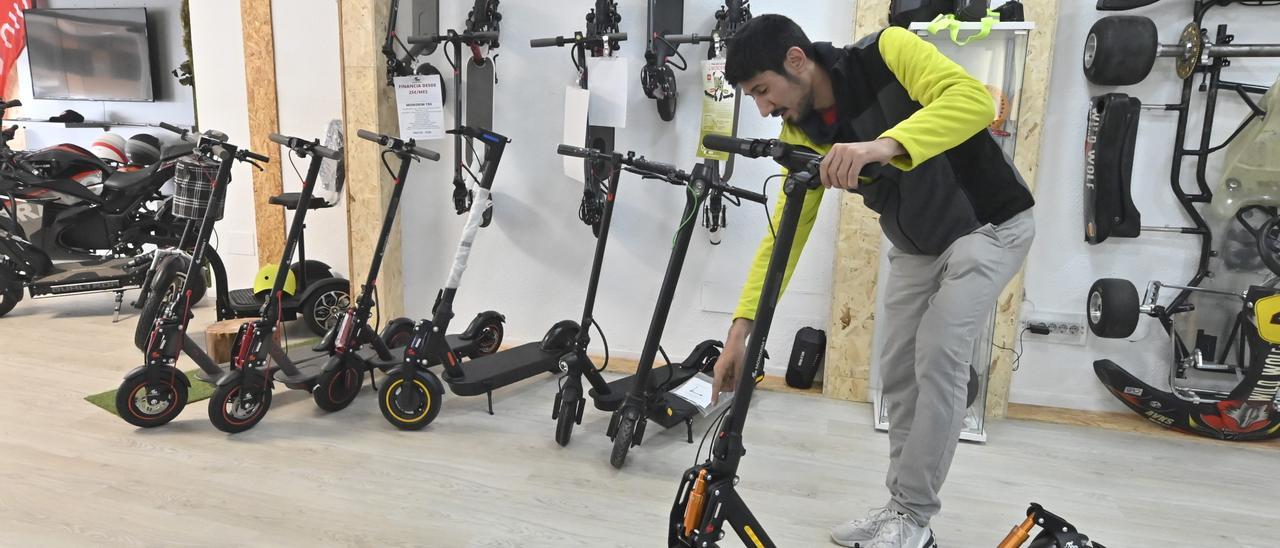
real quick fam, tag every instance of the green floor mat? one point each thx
(199, 390)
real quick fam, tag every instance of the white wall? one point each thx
(217, 45)
(532, 263)
(1062, 266)
(173, 102)
(309, 92)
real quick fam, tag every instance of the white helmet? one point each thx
(110, 147)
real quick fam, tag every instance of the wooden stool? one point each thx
(219, 337)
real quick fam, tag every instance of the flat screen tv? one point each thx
(100, 54)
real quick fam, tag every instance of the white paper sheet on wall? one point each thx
(576, 105)
(420, 105)
(609, 81)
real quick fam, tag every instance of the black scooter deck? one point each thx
(619, 388)
(85, 276)
(310, 367)
(494, 371)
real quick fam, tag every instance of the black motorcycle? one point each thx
(62, 203)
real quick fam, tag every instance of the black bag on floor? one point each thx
(806, 357)
(904, 12)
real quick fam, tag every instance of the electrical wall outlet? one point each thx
(1064, 328)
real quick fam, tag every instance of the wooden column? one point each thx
(264, 114)
(368, 103)
(852, 323)
(847, 374)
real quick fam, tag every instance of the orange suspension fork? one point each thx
(1019, 534)
(697, 499)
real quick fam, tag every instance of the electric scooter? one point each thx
(603, 39)
(1055, 532)
(411, 396)
(657, 79)
(153, 394)
(481, 31)
(707, 496)
(243, 394)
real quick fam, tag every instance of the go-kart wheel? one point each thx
(412, 404)
(234, 407)
(321, 309)
(568, 414)
(1269, 244)
(623, 437)
(10, 291)
(1112, 308)
(149, 406)
(166, 286)
(1120, 50)
(337, 387)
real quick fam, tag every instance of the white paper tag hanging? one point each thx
(420, 105)
(609, 81)
(576, 101)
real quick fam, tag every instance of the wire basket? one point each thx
(193, 180)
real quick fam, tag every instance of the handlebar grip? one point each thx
(684, 38)
(657, 168)
(747, 195)
(326, 152)
(616, 37)
(424, 39)
(725, 143)
(577, 152)
(11, 104)
(371, 136)
(280, 139)
(424, 153)
(486, 35)
(173, 128)
(255, 156)
(546, 42)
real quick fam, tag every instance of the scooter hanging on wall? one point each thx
(153, 394)
(412, 394)
(481, 31)
(602, 39)
(707, 496)
(243, 394)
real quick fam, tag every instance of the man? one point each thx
(956, 211)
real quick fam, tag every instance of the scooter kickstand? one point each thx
(489, 396)
(688, 426)
(119, 300)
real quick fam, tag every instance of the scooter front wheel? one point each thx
(337, 387)
(623, 437)
(412, 403)
(234, 408)
(567, 414)
(148, 405)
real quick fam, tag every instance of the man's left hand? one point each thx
(841, 166)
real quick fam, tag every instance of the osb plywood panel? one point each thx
(853, 293)
(1035, 94)
(260, 78)
(368, 104)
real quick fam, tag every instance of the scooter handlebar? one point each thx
(397, 144)
(303, 146)
(685, 38)
(661, 169)
(546, 42)
(576, 152)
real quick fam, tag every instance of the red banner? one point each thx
(13, 36)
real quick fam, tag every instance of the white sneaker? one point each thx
(857, 533)
(900, 531)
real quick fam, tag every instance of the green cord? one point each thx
(697, 205)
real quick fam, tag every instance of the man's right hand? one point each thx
(729, 365)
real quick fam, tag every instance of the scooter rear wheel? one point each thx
(411, 404)
(338, 387)
(149, 406)
(568, 414)
(234, 408)
(10, 292)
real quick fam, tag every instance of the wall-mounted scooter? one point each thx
(602, 39)
(154, 393)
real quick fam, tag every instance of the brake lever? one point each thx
(255, 164)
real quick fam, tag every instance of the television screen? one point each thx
(90, 54)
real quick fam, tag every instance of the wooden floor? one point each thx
(74, 475)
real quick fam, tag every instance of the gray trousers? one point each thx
(936, 309)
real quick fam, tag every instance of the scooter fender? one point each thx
(228, 378)
(320, 286)
(141, 371)
(482, 319)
